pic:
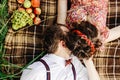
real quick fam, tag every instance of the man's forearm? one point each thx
(62, 11)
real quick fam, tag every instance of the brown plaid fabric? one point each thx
(12, 5)
(22, 46)
(113, 18)
(108, 61)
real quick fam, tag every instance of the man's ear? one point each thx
(62, 43)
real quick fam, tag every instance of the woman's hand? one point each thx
(88, 61)
(62, 11)
(92, 72)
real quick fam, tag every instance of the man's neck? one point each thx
(65, 54)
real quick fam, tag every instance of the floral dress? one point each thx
(94, 11)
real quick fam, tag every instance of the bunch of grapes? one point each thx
(21, 19)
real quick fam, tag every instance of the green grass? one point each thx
(4, 21)
(6, 67)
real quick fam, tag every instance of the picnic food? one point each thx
(37, 20)
(35, 3)
(21, 1)
(27, 14)
(29, 10)
(27, 4)
(37, 11)
(21, 19)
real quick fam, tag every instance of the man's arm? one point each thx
(62, 11)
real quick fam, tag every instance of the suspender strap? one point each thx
(47, 68)
(74, 72)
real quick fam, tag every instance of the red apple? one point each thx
(37, 20)
(37, 11)
(32, 15)
(29, 10)
(20, 1)
(21, 9)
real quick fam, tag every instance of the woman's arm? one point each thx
(62, 11)
(114, 33)
(92, 72)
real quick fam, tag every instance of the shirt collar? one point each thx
(57, 59)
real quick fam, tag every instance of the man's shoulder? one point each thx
(77, 62)
(33, 71)
(36, 66)
(75, 57)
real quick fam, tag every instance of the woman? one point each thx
(83, 42)
(93, 11)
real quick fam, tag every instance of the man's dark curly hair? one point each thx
(52, 35)
(78, 45)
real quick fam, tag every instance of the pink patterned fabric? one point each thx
(94, 11)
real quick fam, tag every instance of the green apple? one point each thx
(27, 4)
(15, 27)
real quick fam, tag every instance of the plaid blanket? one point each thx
(24, 45)
(113, 18)
(108, 61)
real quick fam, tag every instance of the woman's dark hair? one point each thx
(78, 44)
(52, 35)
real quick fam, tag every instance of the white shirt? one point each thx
(58, 70)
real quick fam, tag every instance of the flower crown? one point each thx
(86, 39)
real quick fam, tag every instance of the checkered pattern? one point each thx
(22, 46)
(108, 61)
(113, 18)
